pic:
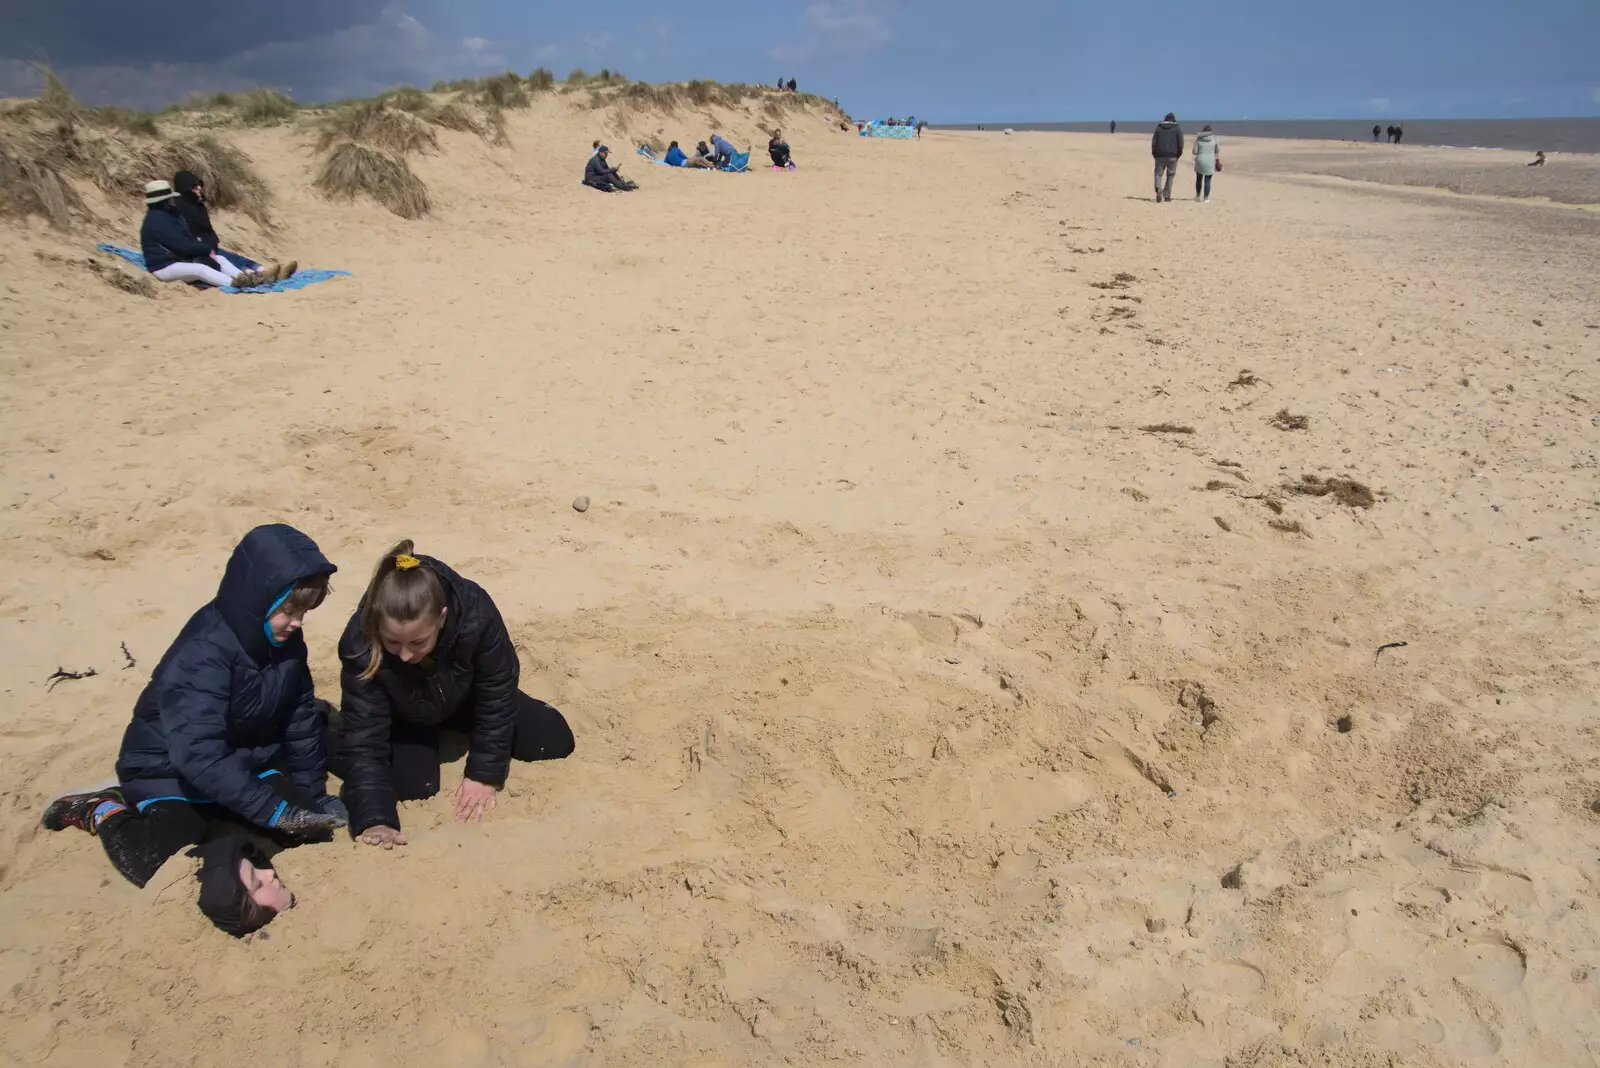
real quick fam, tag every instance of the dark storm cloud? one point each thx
(128, 32)
(304, 48)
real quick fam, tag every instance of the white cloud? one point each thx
(1378, 103)
(597, 43)
(475, 44)
(845, 26)
(548, 52)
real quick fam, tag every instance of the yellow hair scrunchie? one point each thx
(404, 562)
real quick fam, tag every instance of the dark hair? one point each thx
(1170, 117)
(398, 593)
(673, 145)
(307, 594)
(223, 897)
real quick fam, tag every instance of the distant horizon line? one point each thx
(1356, 119)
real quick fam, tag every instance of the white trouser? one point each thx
(220, 275)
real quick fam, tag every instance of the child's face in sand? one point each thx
(412, 640)
(264, 887)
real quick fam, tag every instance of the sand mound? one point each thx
(928, 710)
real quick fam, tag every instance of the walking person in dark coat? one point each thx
(228, 728)
(425, 652)
(1375, 131)
(1166, 145)
(190, 205)
(599, 174)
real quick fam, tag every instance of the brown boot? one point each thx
(289, 269)
(271, 274)
(247, 280)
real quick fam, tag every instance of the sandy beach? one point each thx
(931, 708)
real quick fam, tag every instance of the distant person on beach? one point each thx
(1207, 161)
(1113, 125)
(190, 205)
(1399, 134)
(722, 150)
(1166, 145)
(427, 652)
(792, 87)
(1375, 131)
(1388, 133)
(228, 731)
(778, 149)
(1538, 160)
(703, 158)
(599, 174)
(920, 126)
(675, 156)
(173, 254)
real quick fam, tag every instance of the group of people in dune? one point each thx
(180, 244)
(229, 748)
(714, 154)
(1166, 145)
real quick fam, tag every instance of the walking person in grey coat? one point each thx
(1207, 161)
(1166, 145)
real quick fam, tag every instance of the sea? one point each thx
(1524, 135)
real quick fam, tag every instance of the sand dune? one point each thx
(929, 711)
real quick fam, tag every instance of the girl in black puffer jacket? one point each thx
(425, 651)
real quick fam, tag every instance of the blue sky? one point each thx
(948, 61)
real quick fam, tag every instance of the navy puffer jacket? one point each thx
(472, 668)
(225, 704)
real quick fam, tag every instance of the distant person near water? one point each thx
(1399, 134)
(1538, 160)
(599, 174)
(1376, 129)
(1113, 125)
(1388, 133)
(1207, 161)
(1166, 145)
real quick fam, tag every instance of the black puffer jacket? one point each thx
(225, 704)
(192, 210)
(1167, 141)
(472, 668)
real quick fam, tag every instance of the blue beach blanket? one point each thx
(305, 276)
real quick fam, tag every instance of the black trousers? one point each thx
(138, 843)
(416, 752)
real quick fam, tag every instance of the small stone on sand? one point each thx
(580, 504)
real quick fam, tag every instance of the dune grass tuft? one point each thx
(541, 80)
(407, 98)
(506, 91)
(353, 170)
(453, 116)
(32, 186)
(265, 107)
(374, 123)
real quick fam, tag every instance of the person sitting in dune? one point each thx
(675, 156)
(424, 653)
(703, 157)
(778, 149)
(190, 204)
(722, 150)
(601, 175)
(173, 254)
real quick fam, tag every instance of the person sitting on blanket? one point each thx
(675, 156)
(722, 149)
(703, 158)
(601, 175)
(173, 254)
(778, 149)
(190, 205)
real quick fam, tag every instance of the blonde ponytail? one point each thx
(403, 588)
